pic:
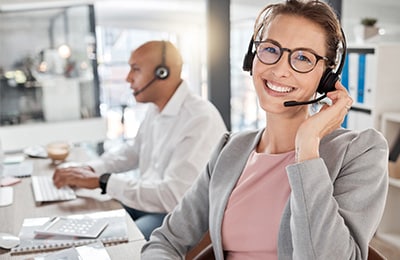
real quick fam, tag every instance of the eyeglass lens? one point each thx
(300, 60)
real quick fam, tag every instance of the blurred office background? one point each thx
(63, 63)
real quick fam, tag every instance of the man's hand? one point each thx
(82, 177)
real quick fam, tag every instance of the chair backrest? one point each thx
(206, 254)
(202, 251)
(374, 254)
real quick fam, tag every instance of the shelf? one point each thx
(390, 238)
(391, 116)
(394, 182)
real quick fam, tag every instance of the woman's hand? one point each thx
(329, 118)
(82, 177)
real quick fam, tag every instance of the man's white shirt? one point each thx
(170, 150)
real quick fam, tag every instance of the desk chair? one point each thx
(374, 254)
(204, 251)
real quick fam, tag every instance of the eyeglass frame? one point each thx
(290, 51)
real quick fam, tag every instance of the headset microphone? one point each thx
(293, 103)
(145, 87)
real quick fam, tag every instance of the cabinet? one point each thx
(371, 75)
(389, 228)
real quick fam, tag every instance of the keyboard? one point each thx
(45, 191)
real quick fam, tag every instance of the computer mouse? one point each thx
(8, 241)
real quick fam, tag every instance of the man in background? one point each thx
(171, 148)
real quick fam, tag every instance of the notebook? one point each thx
(87, 252)
(21, 169)
(115, 232)
(6, 196)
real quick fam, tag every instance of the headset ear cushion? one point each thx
(161, 72)
(248, 62)
(327, 82)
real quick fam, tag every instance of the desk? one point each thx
(24, 206)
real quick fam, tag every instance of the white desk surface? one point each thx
(12, 216)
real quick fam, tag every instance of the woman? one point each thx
(302, 187)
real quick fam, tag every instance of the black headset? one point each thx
(162, 71)
(249, 57)
(328, 79)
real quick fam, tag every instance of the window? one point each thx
(48, 69)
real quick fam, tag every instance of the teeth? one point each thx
(279, 89)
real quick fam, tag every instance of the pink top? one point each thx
(253, 213)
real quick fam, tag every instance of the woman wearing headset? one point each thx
(302, 187)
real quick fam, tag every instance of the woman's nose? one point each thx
(282, 67)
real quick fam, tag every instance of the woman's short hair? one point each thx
(316, 11)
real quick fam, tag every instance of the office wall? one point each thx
(385, 11)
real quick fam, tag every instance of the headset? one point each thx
(161, 72)
(328, 79)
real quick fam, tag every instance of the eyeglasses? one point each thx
(301, 59)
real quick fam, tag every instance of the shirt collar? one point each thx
(175, 102)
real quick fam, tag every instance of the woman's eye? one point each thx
(270, 49)
(302, 58)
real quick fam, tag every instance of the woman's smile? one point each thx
(278, 88)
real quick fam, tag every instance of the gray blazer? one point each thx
(334, 208)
